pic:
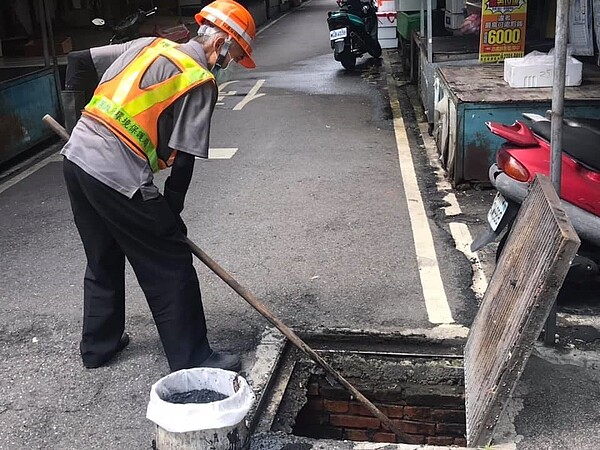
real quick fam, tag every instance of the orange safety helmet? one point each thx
(236, 21)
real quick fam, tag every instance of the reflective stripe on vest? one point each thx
(132, 112)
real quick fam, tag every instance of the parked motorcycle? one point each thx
(353, 31)
(526, 152)
(129, 28)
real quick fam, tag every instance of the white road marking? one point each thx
(436, 302)
(213, 153)
(223, 94)
(37, 166)
(227, 83)
(460, 231)
(220, 153)
(252, 95)
(453, 208)
(462, 241)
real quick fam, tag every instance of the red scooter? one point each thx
(527, 152)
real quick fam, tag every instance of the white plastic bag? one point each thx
(537, 57)
(182, 418)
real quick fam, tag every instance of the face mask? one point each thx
(222, 75)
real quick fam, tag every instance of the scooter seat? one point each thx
(343, 18)
(579, 140)
(590, 124)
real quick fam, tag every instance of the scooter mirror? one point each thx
(99, 22)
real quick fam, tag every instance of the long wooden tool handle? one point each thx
(293, 337)
(56, 127)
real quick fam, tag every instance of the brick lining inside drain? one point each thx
(423, 394)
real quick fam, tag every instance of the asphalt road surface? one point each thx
(303, 201)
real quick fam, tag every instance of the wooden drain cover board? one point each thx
(515, 307)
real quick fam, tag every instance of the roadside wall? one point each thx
(265, 10)
(258, 9)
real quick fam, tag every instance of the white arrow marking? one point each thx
(223, 94)
(252, 95)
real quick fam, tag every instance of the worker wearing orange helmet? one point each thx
(151, 111)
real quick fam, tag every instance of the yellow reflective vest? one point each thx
(132, 112)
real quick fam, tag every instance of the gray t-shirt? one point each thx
(184, 126)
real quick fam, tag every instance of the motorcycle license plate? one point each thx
(497, 210)
(340, 33)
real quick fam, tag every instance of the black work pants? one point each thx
(113, 227)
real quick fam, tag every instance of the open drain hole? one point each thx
(423, 394)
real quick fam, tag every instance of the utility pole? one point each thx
(558, 100)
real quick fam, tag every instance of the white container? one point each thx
(386, 29)
(537, 70)
(388, 43)
(386, 33)
(453, 21)
(455, 6)
(386, 19)
(386, 6)
(218, 425)
(413, 5)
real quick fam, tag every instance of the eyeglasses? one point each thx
(236, 59)
(226, 50)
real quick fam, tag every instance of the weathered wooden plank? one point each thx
(485, 83)
(515, 306)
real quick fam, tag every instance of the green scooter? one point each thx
(353, 31)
